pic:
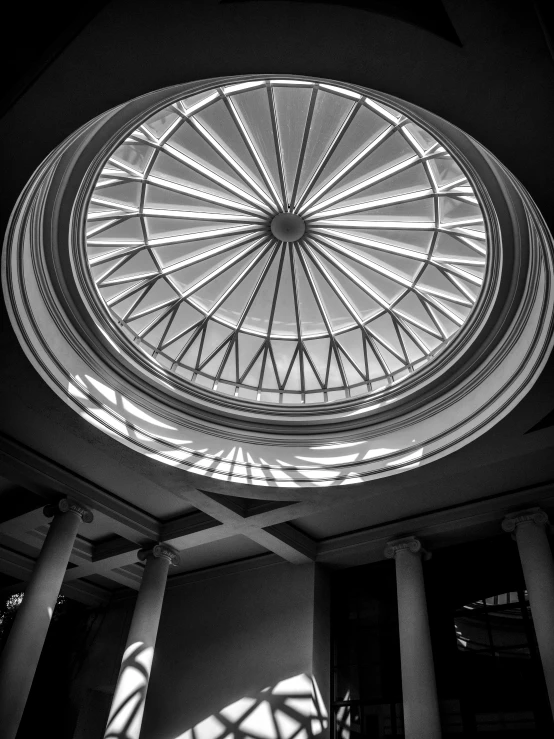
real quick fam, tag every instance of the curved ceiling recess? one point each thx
(282, 282)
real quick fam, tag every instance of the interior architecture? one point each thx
(276, 444)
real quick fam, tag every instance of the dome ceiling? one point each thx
(286, 241)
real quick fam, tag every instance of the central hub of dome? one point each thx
(288, 227)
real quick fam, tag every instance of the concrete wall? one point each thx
(222, 641)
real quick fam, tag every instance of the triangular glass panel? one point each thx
(291, 107)
(219, 122)
(330, 112)
(154, 336)
(212, 291)
(411, 307)
(294, 381)
(215, 334)
(337, 312)
(190, 357)
(394, 150)
(318, 350)
(253, 109)
(212, 367)
(284, 318)
(248, 348)
(259, 312)
(448, 326)
(352, 342)
(190, 142)
(310, 380)
(183, 318)
(283, 352)
(363, 128)
(230, 369)
(232, 307)
(334, 378)
(128, 230)
(254, 375)
(375, 367)
(311, 320)
(190, 275)
(270, 380)
(412, 349)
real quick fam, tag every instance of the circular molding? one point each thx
(296, 450)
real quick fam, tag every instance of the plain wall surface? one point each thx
(221, 640)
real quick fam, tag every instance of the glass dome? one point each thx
(286, 241)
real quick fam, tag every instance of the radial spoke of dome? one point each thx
(200, 365)
(365, 328)
(333, 285)
(333, 342)
(276, 293)
(222, 268)
(351, 275)
(274, 247)
(200, 194)
(434, 300)
(329, 153)
(385, 174)
(404, 318)
(105, 280)
(366, 151)
(254, 152)
(250, 230)
(103, 226)
(258, 257)
(118, 252)
(222, 181)
(242, 173)
(380, 203)
(458, 271)
(377, 225)
(132, 290)
(277, 141)
(297, 316)
(363, 241)
(370, 264)
(303, 153)
(198, 215)
(221, 249)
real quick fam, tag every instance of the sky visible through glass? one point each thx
(181, 246)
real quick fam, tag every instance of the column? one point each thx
(21, 653)
(419, 691)
(125, 717)
(529, 531)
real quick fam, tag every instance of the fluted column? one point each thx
(529, 531)
(125, 717)
(419, 690)
(21, 653)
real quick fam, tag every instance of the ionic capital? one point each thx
(408, 543)
(68, 504)
(160, 550)
(532, 515)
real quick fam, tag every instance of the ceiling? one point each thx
(485, 66)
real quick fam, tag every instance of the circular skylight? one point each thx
(286, 241)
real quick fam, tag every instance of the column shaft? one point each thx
(127, 709)
(419, 691)
(21, 653)
(538, 570)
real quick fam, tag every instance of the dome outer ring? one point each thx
(509, 196)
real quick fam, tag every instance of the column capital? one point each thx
(409, 543)
(68, 504)
(533, 515)
(160, 550)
